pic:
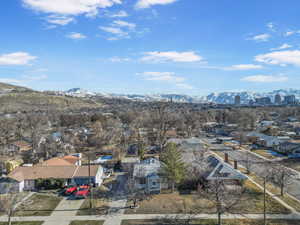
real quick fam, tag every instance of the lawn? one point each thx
(38, 205)
(24, 223)
(292, 163)
(87, 222)
(214, 222)
(100, 207)
(251, 202)
(265, 153)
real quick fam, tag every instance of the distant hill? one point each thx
(6, 88)
(15, 98)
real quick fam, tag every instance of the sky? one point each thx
(192, 47)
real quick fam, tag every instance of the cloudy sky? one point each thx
(151, 46)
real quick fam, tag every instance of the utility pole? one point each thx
(265, 219)
(90, 183)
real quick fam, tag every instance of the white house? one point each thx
(146, 175)
(24, 178)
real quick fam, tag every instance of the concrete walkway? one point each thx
(58, 220)
(66, 208)
(118, 203)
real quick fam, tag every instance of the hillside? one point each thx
(15, 98)
(6, 88)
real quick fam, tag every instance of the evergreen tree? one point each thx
(173, 168)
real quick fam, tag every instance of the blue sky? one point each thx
(151, 46)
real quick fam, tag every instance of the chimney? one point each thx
(235, 164)
(226, 157)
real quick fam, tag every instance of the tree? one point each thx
(224, 197)
(9, 201)
(281, 176)
(173, 168)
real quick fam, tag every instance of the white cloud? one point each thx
(16, 58)
(162, 76)
(261, 37)
(271, 26)
(291, 32)
(282, 58)
(35, 78)
(122, 23)
(119, 14)
(141, 4)
(120, 29)
(265, 78)
(171, 56)
(76, 36)
(166, 77)
(244, 67)
(10, 81)
(281, 47)
(59, 20)
(70, 7)
(119, 59)
(118, 32)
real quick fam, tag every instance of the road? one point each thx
(259, 166)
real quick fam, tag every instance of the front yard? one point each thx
(87, 222)
(214, 222)
(292, 163)
(267, 154)
(38, 205)
(24, 223)
(251, 202)
(100, 207)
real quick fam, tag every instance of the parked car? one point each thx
(82, 193)
(70, 190)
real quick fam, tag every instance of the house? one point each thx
(24, 178)
(19, 147)
(262, 139)
(288, 148)
(146, 176)
(67, 160)
(129, 162)
(217, 169)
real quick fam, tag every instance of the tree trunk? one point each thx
(9, 218)
(219, 219)
(281, 189)
(173, 187)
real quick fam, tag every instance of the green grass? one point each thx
(100, 207)
(86, 222)
(38, 205)
(24, 223)
(214, 222)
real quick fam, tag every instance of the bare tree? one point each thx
(224, 197)
(9, 201)
(281, 176)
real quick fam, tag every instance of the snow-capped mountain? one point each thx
(78, 92)
(219, 98)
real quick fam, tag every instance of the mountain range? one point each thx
(218, 98)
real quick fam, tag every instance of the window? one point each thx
(143, 180)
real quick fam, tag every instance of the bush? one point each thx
(48, 184)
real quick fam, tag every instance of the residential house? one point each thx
(146, 175)
(67, 160)
(24, 178)
(262, 139)
(217, 169)
(288, 148)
